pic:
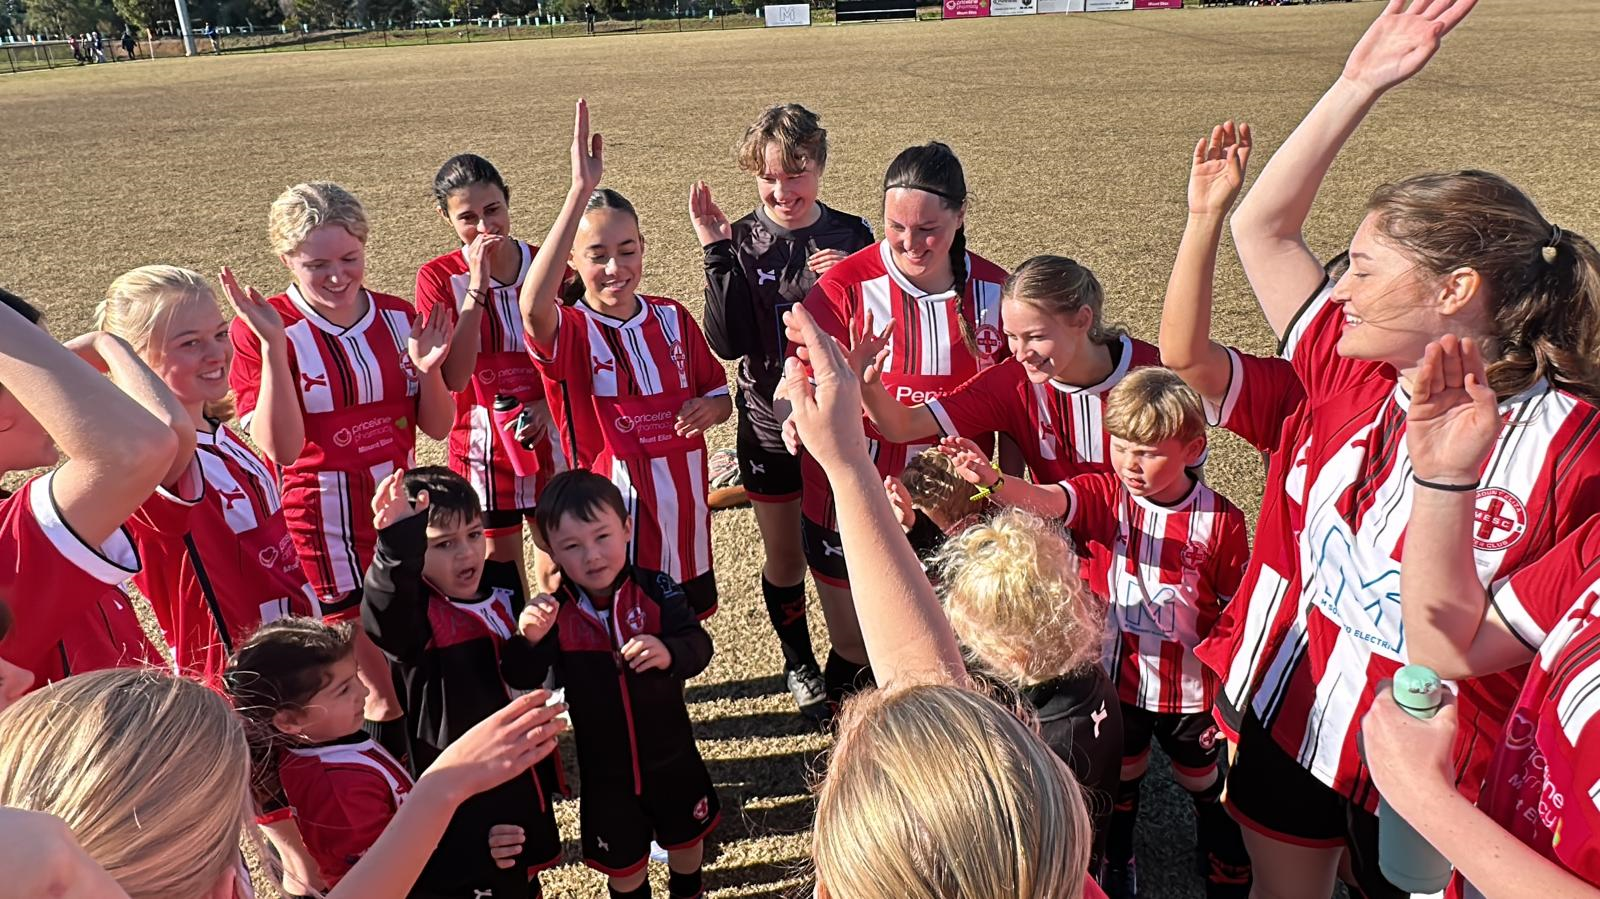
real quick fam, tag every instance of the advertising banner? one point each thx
(965, 9)
(786, 14)
(1012, 7)
(873, 10)
(1158, 4)
(1048, 6)
(1106, 5)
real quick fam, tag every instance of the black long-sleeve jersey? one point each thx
(750, 281)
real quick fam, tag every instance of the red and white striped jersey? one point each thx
(1166, 572)
(1057, 426)
(615, 389)
(358, 398)
(1543, 784)
(937, 342)
(1541, 482)
(219, 565)
(342, 795)
(476, 447)
(70, 614)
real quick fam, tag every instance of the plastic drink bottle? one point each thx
(508, 417)
(1405, 858)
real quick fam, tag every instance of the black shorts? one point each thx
(824, 553)
(506, 519)
(768, 475)
(678, 808)
(702, 594)
(1274, 795)
(1191, 740)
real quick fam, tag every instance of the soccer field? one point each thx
(1075, 132)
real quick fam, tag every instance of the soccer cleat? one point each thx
(1120, 881)
(723, 469)
(810, 692)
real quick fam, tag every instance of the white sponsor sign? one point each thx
(1060, 6)
(1106, 5)
(786, 14)
(1012, 7)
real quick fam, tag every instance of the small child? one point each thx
(933, 500)
(295, 683)
(623, 641)
(445, 615)
(1167, 552)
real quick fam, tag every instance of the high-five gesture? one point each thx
(247, 302)
(825, 415)
(587, 158)
(1453, 419)
(710, 224)
(1218, 170)
(390, 504)
(1402, 40)
(428, 344)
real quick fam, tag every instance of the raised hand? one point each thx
(970, 461)
(825, 415)
(710, 225)
(247, 302)
(537, 618)
(1218, 169)
(588, 163)
(389, 503)
(868, 350)
(500, 746)
(1402, 40)
(647, 653)
(428, 345)
(900, 499)
(1453, 419)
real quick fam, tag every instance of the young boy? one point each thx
(1167, 552)
(624, 640)
(446, 617)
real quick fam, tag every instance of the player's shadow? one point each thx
(787, 878)
(749, 688)
(754, 725)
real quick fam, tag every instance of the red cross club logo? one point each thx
(989, 340)
(1194, 556)
(1498, 519)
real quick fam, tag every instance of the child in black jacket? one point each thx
(447, 619)
(623, 640)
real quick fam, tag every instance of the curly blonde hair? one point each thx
(306, 207)
(1011, 588)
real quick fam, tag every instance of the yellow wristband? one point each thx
(992, 489)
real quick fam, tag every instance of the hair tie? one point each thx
(1549, 250)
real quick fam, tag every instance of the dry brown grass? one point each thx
(1075, 132)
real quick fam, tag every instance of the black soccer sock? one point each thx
(684, 886)
(844, 677)
(786, 606)
(391, 735)
(642, 891)
(1217, 836)
(1124, 818)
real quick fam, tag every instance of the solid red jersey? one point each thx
(1057, 426)
(358, 398)
(937, 342)
(1166, 572)
(1541, 482)
(476, 447)
(342, 794)
(616, 388)
(70, 613)
(220, 564)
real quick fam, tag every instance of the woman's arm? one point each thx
(427, 347)
(1267, 229)
(113, 355)
(462, 359)
(276, 424)
(540, 313)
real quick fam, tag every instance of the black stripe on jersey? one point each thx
(641, 350)
(1297, 657)
(1576, 660)
(569, 434)
(217, 621)
(347, 515)
(911, 327)
(61, 650)
(1571, 451)
(334, 351)
(1381, 447)
(258, 494)
(371, 379)
(621, 363)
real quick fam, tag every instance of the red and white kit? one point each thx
(615, 389)
(342, 795)
(1166, 572)
(70, 614)
(1057, 426)
(928, 353)
(221, 564)
(478, 448)
(1541, 482)
(1544, 777)
(358, 397)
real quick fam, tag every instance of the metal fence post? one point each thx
(425, 38)
(49, 63)
(12, 59)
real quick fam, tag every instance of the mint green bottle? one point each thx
(1405, 858)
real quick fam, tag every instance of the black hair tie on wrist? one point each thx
(1448, 488)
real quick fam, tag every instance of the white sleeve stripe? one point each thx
(193, 480)
(1511, 610)
(1071, 515)
(112, 563)
(1218, 416)
(946, 426)
(718, 391)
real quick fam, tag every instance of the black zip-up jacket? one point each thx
(750, 281)
(625, 722)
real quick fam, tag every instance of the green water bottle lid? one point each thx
(1418, 690)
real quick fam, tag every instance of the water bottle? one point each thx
(508, 416)
(1405, 858)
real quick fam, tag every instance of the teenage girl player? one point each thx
(756, 268)
(365, 375)
(479, 283)
(940, 305)
(636, 383)
(1463, 254)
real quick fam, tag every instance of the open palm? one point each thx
(1401, 41)
(1453, 419)
(710, 224)
(1218, 169)
(427, 345)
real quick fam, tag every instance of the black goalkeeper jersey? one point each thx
(750, 281)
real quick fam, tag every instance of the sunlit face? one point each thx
(920, 229)
(335, 711)
(478, 208)
(608, 254)
(591, 553)
(1044, 343)
(1156, 471)
(456, 551)
(790, 198)
(1390, 305)
(193, 352)
(329, 266)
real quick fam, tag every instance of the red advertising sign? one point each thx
(966, 9)
(1158, 4)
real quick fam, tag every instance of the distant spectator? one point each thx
(129, 45)
(211, 35)
(588, 17)
(77, 51)
(99, 47)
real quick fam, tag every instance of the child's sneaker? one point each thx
(810, 692)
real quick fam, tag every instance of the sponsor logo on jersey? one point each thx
(989, 340)
(1498, 519)
(487, 376)
(600, 365)
(910, 396)
(624, 424)
(342, 437)
(1520, 730)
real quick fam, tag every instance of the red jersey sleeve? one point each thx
(1263, 392)
(707, 377)
(341, 814)
(1536, 597)
(244, 376)
(1231, 556)
(167, 511)
(568, 357)
(432, 290)
(829, 303)
(989, 401)
(1311, 346)
(1092, 501)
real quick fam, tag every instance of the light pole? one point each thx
(183, 27)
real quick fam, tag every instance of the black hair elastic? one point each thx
(1448, 488)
